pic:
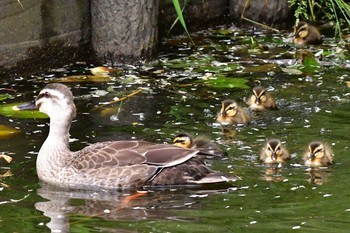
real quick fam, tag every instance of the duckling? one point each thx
(201, 143)
(232, 113)
(306, 34)
(274, 152)
(318, 155)
(261, 100)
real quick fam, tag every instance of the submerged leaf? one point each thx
(8, 110)
(7, 131)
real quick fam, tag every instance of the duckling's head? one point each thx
(228, 108)
(316, 151)
(305, 34)
(301, 31)
(183, 140)
(274, 152)
(56, 100)
(259, 95)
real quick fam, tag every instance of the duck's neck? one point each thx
(55, 153)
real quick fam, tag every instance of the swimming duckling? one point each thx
(274, 152)
(201, 143)
(232, 113)
(261, 100)
(306, 34)
(318, 155)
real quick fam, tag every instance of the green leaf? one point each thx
(310, 64)
(180, 17)
(8, 111)
(5, 96)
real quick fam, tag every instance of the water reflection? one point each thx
(63, 204)
(273, 172)
(318, 176)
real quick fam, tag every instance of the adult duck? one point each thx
(115, 165)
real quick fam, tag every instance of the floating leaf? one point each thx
(261, 68)
(105, 71)
(7, 158)
(310, 64)
(220, 81)
(9, 110)
(82, 78)
(5, 96)
(7, 131)
(292, 71)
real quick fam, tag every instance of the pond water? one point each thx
(182, 92)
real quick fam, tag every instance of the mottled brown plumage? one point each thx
(306, 34)
(111, 164)
(232, 113)
(274, 152)
(318, 155)
(201, 143)
(261, 100)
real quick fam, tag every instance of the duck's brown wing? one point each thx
(191, 172)
(126, 164)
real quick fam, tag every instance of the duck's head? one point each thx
(259, 95)
(273, 149)
(316, 151)
(305, 34)
(301, 31)
(183, 140)
(228, 108)
(56, 100)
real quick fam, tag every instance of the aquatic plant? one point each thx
(327, 10)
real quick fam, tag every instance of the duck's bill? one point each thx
(25, 106)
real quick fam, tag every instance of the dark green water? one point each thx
(312, 106)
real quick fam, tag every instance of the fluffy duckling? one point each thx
(318, 155)
(261, 99)
(201, 143)
(306, 34)
(274, 152)
(232, 113)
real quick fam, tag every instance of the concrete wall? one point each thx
(50, 33)
(38, 24)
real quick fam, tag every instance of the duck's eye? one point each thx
(231, 108)
(318, 151)
(44, 95)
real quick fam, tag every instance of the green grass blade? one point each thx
(180, 17)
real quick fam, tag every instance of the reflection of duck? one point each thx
(273, 174)
(274, 152)
(306, 34)
(202, 143)
(318, 176)
(232, 113)
(229, 133)
(111, 164)
(318, 155)
(261, 100)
